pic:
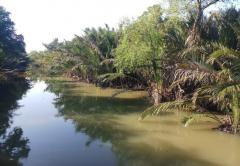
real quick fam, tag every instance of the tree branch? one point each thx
(209, 4)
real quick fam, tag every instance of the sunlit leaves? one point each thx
(142, 41)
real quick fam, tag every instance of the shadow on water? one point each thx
(142, 154)
(98, 117)
(13, 145)
(108, 130)
(83, 102)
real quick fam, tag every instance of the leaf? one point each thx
(187, 121)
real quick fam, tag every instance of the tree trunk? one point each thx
(155, 93)
(156, 96)
(194, 36)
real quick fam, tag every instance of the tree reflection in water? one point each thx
(13, 145)
(97, 115)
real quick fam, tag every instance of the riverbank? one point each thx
(91, 122)
(9, 75)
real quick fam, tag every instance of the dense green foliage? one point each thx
(141, 45)
(89, 57)
(206, 76)
(12, 46)
(13, 60)
(84, 56)
(189, 60)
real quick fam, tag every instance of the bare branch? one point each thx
(209, 4)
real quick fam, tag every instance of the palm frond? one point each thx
(110, 76)
(107, 61)
(228, 90)
(194, 72)
(187, 120)
(223, 52)
(219, 94)
(168, 106)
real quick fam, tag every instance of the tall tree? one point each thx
(12, 46)
(194, 37)
(142, 43)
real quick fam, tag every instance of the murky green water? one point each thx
(64, 123)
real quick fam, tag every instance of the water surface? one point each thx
(68, 123)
